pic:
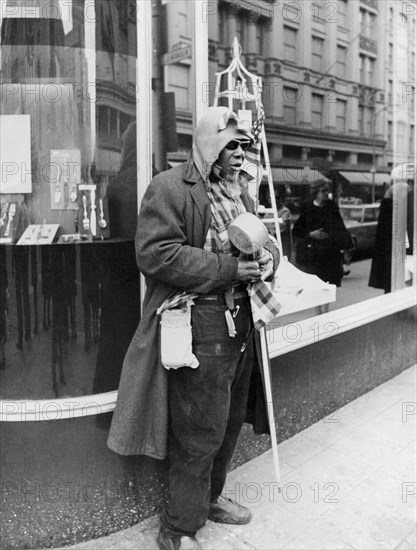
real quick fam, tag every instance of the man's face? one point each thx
(231, 158)
(323, 194)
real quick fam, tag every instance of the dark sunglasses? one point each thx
(235, 143)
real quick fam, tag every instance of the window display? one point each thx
(69, 284)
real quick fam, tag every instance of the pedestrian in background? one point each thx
(321, 235)
(284, 214)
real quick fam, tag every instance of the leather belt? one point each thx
(235, 292)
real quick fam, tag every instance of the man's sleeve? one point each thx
(162, 250)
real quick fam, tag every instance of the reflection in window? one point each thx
(341, 61)
(317, 53)
(341, 115)
(290, 44)
(72, 282)
(317, 101)
(290, 97)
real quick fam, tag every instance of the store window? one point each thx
(69, 284)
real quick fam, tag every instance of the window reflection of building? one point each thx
(76, 298)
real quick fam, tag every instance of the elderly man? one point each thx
(194, 415)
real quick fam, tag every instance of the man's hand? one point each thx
(319, 234)
(266, 264)
(248, 272)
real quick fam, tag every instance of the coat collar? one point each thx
(191, 174)
(199, 193)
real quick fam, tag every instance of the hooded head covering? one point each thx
(215, 129)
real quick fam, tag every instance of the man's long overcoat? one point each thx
(173, 223)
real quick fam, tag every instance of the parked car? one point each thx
(361, 221)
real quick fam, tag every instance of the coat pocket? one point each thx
(176, 339)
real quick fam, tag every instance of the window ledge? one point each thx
(282, 340)
(287, 338)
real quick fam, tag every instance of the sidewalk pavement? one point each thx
(348, 481)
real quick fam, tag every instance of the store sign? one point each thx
(177, 55)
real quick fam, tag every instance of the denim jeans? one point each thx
(207, 408)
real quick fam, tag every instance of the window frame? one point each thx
(292, 45)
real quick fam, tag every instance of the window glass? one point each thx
(290, 43)
(290, 97)
(317, 111)
(69, 283)
(341, 115)
(341, 61)
(317, 53)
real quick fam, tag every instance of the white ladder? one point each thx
(243, 88)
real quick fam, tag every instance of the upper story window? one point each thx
(261, 25)
(367, 23)
(362, 69)
(341, 61)
(391, 19)
(390, 92)
(223, 26)
(389, 135)
(317, 102)
(241, 31)
(371, 71)
(361, 120)
(290, 98)
(317, 50)
(342, 13)
(290, 44)
(341, 115)
(411, 98)
(366, 70)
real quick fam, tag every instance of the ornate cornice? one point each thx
(368, 95)
(263, 8)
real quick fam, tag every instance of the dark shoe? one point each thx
(226, 510)
(167, 541)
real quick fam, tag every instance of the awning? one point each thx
(365, 178)
(356, 177)
(296, 176)
(380, 179)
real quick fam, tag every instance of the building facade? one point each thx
(328, 74)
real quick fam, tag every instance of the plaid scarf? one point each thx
(226, 205)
